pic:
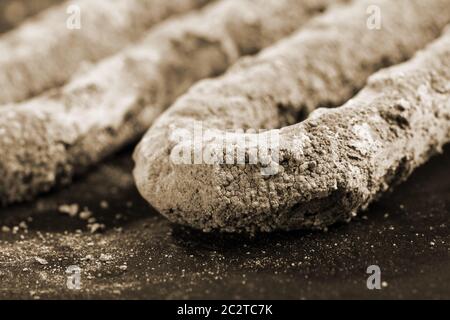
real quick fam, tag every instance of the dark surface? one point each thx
(406, 233)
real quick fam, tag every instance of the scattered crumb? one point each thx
(85, 214)
(89, 257)
(41, 260)
(15, 229)
(105, 257)
(95, 227)
(69, 209)
(104, 204)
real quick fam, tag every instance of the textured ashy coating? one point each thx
(13, 12)
(323, 176)
(44, 53)
(47, 140)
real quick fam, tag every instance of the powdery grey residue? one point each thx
(37, 56)
(49, 139)
(352, 154)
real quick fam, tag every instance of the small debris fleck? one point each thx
(41, 260)
(85, 214)
(104, 204)
(89, 257)
(69, 209)
(105, 257)
(95, 227)
(23, 225)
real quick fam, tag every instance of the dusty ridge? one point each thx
(47, 140)
(13, 12)
(325, 172)
(43, 53)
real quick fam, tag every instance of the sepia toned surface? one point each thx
(68, 129)
(13, 12)
(406, 234)
(35, 56)
(323, 177)
(135, 253)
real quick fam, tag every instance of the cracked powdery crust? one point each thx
(45, 141)
(332, 164)
(43, 53)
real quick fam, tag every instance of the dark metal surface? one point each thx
(141, 255)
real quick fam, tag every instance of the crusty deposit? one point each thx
(13, 12)
(335, 162)
(45, 141)
(43, 52)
